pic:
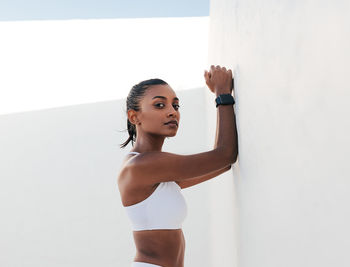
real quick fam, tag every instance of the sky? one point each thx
(94, 9)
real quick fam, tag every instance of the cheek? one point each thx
(154, 118)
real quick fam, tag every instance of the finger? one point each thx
(206, 75)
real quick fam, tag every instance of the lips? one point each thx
(172, 122)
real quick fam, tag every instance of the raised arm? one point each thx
(154, 167)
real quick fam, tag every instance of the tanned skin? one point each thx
(141, 173)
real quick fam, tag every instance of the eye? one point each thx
(157, 105)
(177, 106)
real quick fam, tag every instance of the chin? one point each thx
(171, 135)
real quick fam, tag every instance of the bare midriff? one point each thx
(164, 247)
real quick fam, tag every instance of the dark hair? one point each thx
(132, 102)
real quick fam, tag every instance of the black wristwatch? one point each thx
(224, 99)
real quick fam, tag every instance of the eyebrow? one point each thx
(163, 97)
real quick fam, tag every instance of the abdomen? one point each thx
(165, 247)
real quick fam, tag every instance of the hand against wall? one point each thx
(219, 80)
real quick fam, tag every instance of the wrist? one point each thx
(224, 99)
(222, 92)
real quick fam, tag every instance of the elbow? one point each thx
(234, 155)
(233, 158)
(227, 157)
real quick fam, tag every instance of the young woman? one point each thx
(150, 181)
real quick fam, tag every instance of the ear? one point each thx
(132, 116)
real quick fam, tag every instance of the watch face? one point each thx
(226, 98)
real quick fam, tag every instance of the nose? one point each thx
(172, 113)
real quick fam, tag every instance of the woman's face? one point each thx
(158, 106)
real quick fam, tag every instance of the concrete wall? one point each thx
(291, 182)
(58, 63)
(60, 205)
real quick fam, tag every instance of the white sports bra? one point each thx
(165, 208)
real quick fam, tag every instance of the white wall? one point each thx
(60, 205)
(56, 63)
(291, 183)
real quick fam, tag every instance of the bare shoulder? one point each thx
(153, 167)
(124, 175)
(130, 190)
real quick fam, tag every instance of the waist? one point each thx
(163, 246)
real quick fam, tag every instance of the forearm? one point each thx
(226, 137)
(217, 129)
